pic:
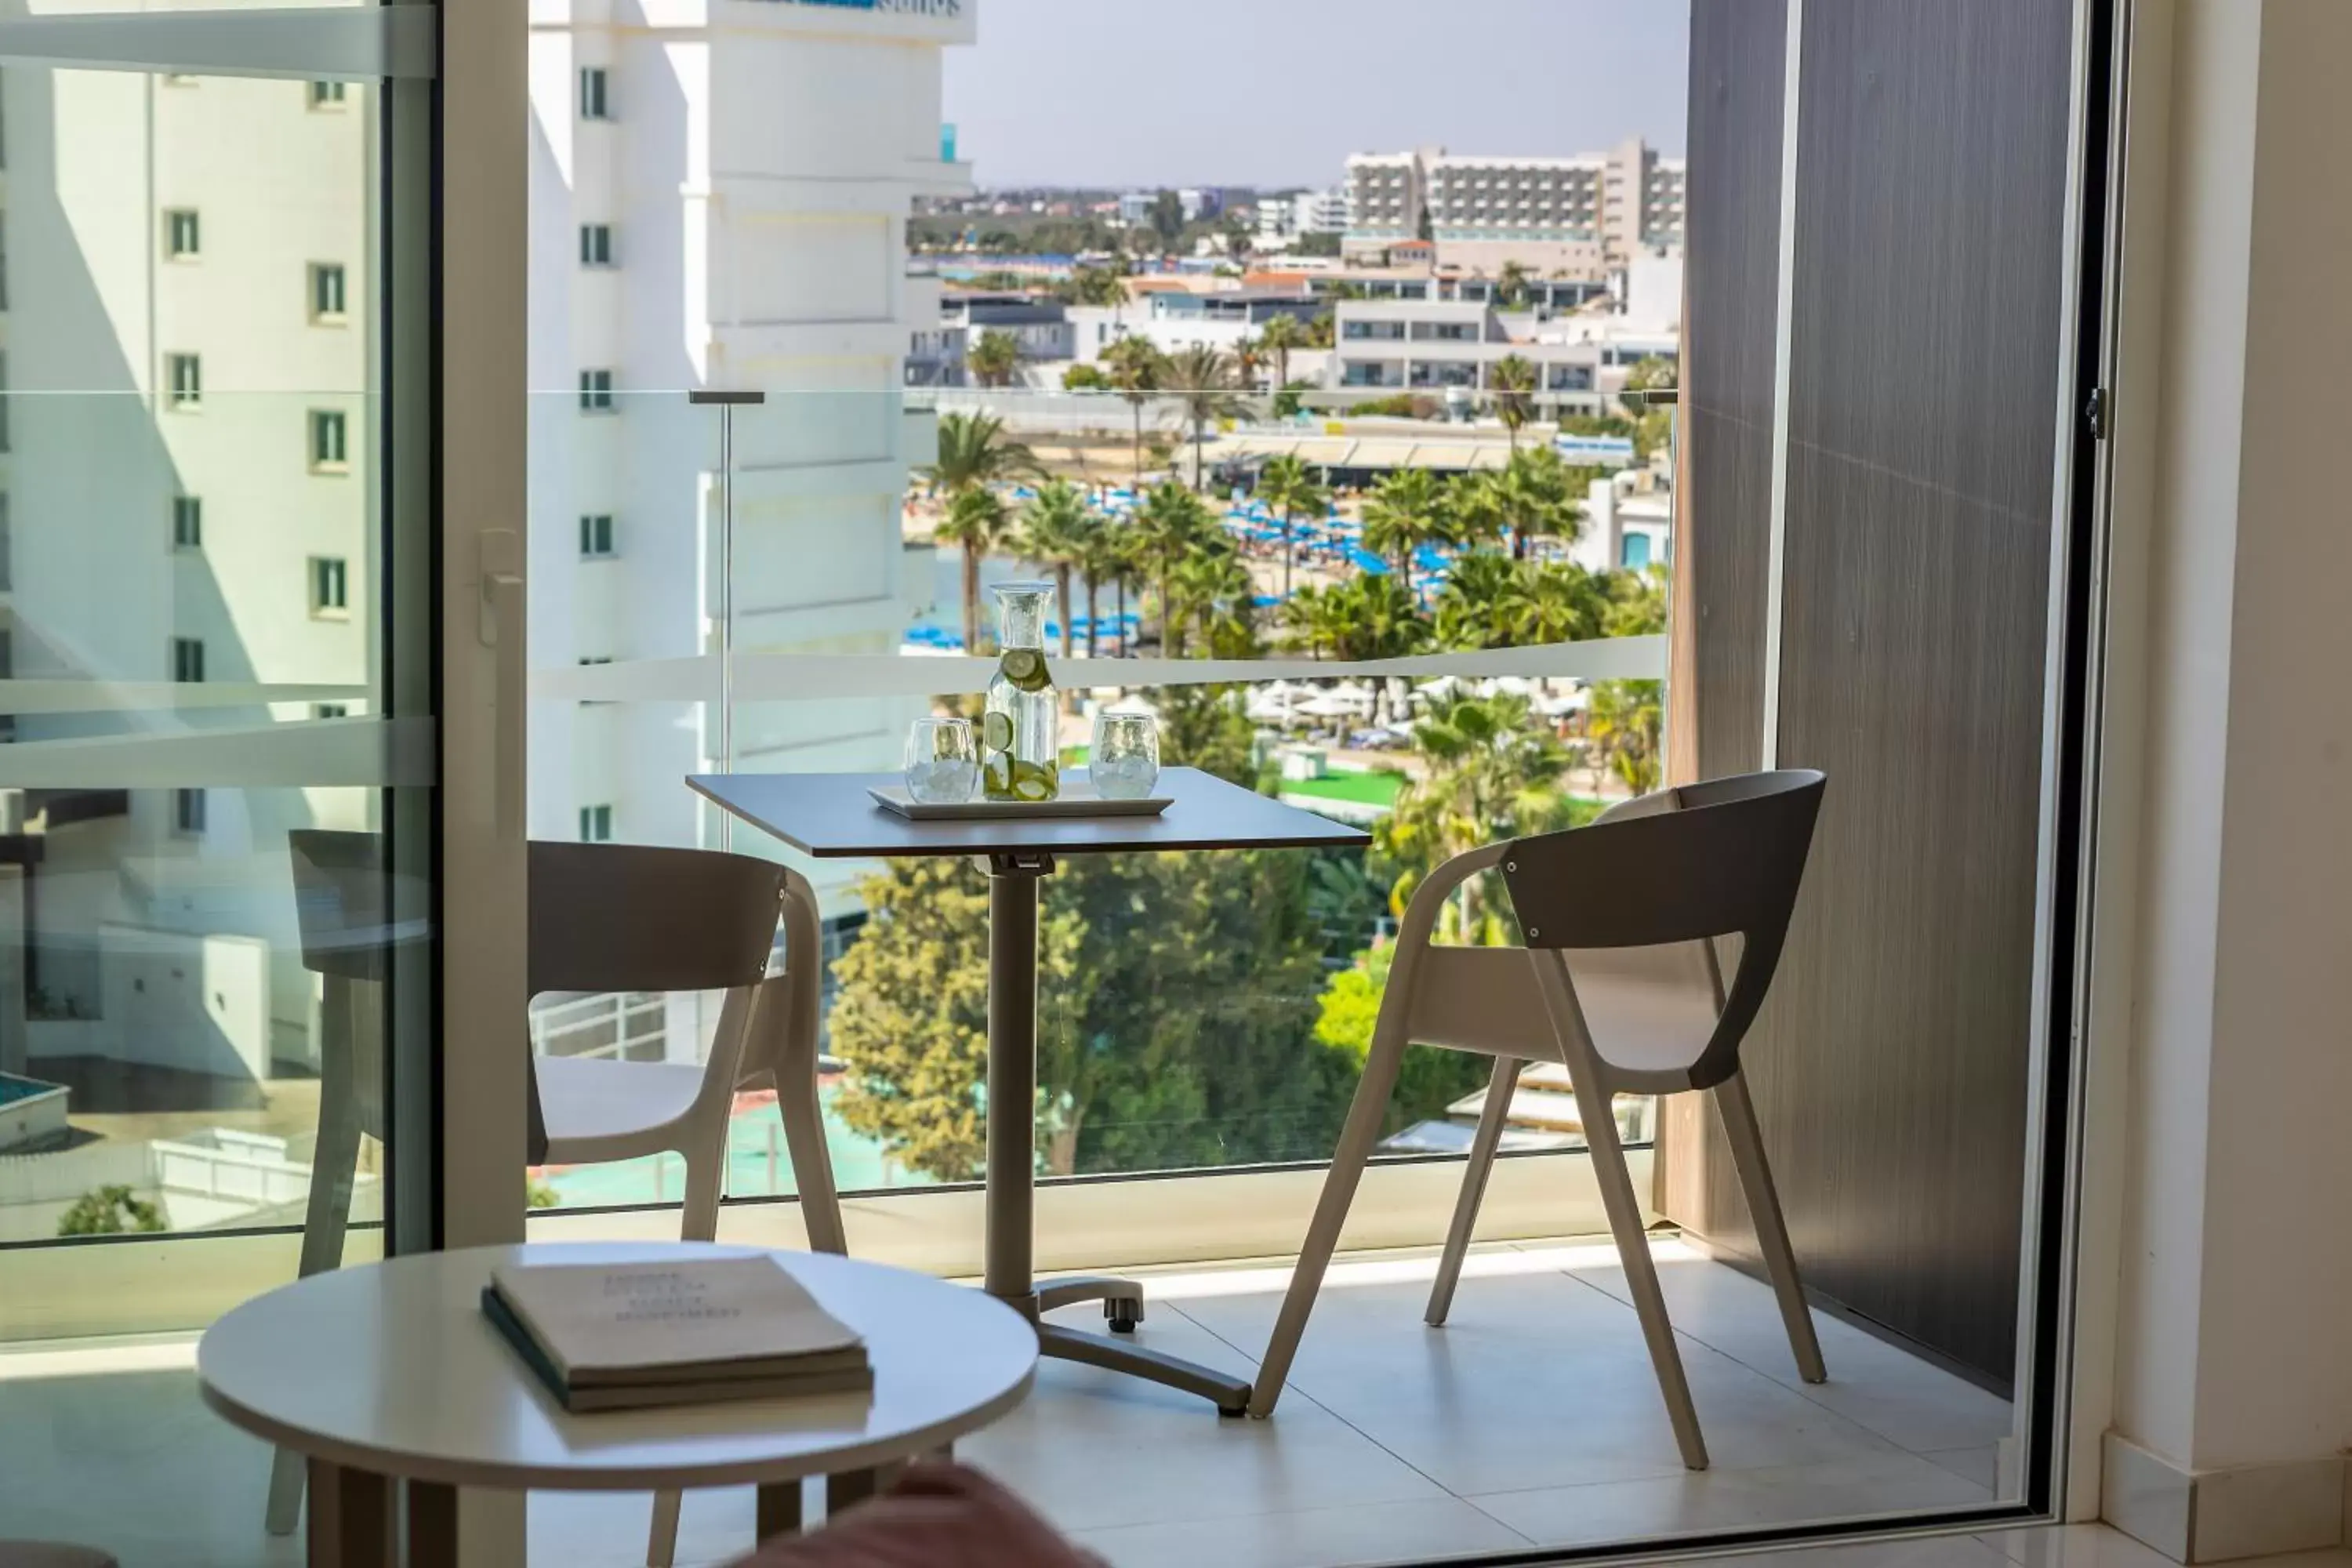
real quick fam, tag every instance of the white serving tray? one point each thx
(1077, 799)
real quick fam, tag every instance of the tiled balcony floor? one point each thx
(1532, 1418)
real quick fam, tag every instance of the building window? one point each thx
(596, 824)
(5, 403)
(188, 811)
(327, 293)
(7, 558)
(595, 93)
(329, 589)
(184, 237)
(327, 450)
(188, 661)
(331, 709)
(595, 245)
(596, 391)
(596, 534)
(187, 522)
(184, 381)
(327, 94)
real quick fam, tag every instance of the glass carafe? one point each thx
(1021, 755)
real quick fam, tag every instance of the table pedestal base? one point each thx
(1013, 882)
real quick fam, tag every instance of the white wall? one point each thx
(2235, 1330)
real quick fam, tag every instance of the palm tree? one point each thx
(1249, 353)
(977, 520)
(974, 451)
(1478, 606)
(1513, 382)
(1054, 534)
(1541, 498)
(1127, 558)
(1626, 719)
(1323, 331)
(1288, 487)
(1136, 368)
(1491, 774)
(1558, 601)
(1511, 287)
(1407, 510)
(993, 358)
(1480, 510)
(1278, 337)
(1098, 286)
(1099, 545)
(1213, 592)
(1175, 525)
(1202, 376)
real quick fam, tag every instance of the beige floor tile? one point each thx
(1687, 1504)
(1909, 1402)
(1536, 1381)
(1094, 1450)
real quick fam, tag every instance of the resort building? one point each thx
(724, 206)
(1577, 216)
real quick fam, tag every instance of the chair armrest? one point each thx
(1422, 911)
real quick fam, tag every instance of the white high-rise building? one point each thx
(722, 203)
(187, 495)
(1579, 215)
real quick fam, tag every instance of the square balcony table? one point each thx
(832, 817)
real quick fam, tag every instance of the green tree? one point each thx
(1626, 720)
(1175, 525)
(1055, 532)
(1167, 219)
(1281, 337)
(1406, 510)
(1287, 488)
(1084, 378)
(1177, 1003)
(1137, 368)
(1479, 605)
(1248, 358)
(1098, 286)
(1214, 595)
(1513, 383)
(1202, 376)
(1652, 374)
(1559, 602)
(1369, 615)
(1511, 290)
(976, 521)
(1538, 496)
(1492, 771)
(994, 357)
(1205, 727)
(974, 451)
(110, 1210)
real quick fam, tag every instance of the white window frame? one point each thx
(596, 248)
(184, 234)
(596, 93)
(329, 587)
(183, 383)
(316, 276)
(315, 427)
(188, 523)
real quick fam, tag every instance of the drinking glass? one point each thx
(1125, 761)
(942, 762)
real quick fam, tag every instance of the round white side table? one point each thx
(389, 1372)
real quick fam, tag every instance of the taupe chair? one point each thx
(604, 917)
(1622, 982)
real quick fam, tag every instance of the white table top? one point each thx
(390, 1368)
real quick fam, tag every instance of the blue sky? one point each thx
(1270, 92)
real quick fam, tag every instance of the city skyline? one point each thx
(1624, 69)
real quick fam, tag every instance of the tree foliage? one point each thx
(1177, 997)
(1428, 1080)
(110, 1210)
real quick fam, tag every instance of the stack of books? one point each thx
(637, 1335)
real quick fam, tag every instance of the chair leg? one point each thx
(1746, 1136)
(661, 1546)
(1595, 1110)
(803, 1119)
(1491, 1118)
(1356, 1141)
(335, 1165)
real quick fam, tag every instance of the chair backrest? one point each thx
(341, 893)
(1724, 858)
(624, 917)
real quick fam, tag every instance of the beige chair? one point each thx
(1622, 982)
(604, 917)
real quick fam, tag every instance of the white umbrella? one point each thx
(1575, 701)
(1515, 685)
(1330, 705)
(1283, 689)
(1443, 686)
(1267, 706)
(1350, 692)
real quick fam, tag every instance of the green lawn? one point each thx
(1378, 789)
